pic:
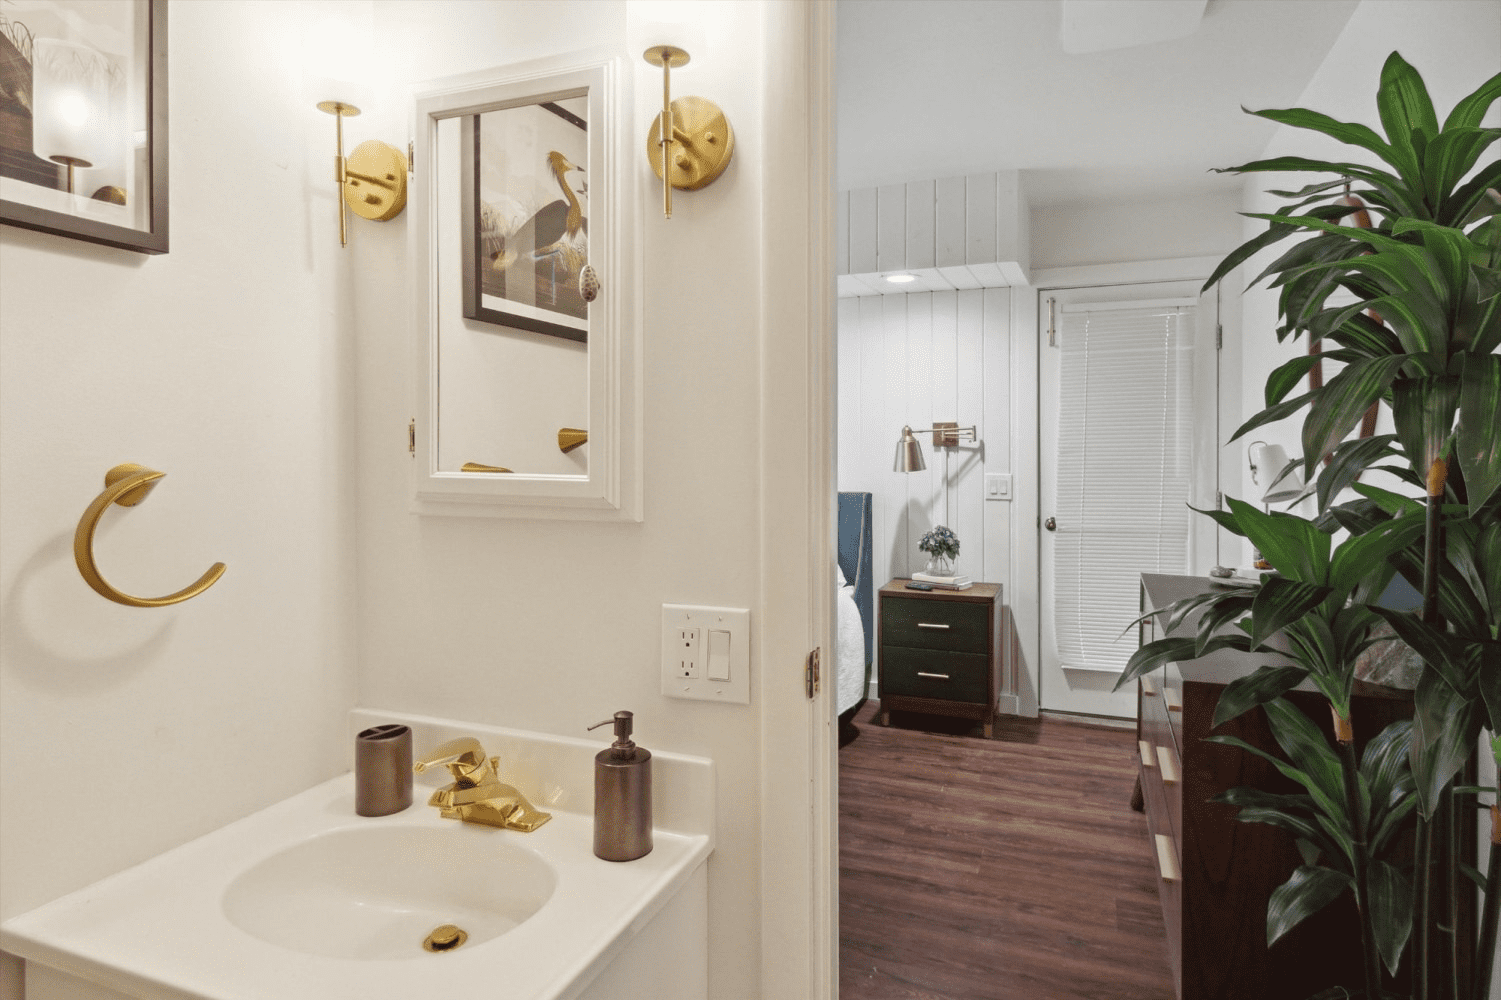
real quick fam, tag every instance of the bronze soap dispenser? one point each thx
(622, 796)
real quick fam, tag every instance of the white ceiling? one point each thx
(939, 88)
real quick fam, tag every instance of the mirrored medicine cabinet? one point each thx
(526, 293)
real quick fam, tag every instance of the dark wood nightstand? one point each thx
(940, 651)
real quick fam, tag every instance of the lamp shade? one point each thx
(1267, 463)
(71, 91)
(909, 453)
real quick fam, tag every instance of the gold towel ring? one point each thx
(127, 485)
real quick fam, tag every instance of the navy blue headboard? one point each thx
(855, 558)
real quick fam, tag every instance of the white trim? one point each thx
(798, 834)
(1134, 272)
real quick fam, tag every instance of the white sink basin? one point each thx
(378, 893)
(305, 900)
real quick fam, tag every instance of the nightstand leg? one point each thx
(990, 728)
(1138, 804)
(885, 718)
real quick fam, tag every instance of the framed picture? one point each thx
(525, 212)
(83, 120)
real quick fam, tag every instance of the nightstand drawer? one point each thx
(932, 624)
(922, 673)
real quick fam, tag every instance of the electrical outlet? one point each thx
(706, 653)
(687, 642)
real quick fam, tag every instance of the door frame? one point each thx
(1026, 525)
(799, 815)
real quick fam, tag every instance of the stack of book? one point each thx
(945, 582)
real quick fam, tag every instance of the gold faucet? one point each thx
(477, 794)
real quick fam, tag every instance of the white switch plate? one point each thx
(681, 623)
(997, 486)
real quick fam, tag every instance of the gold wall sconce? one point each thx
(372, 180)
(691, 142)
(945, 435)
(127, 485)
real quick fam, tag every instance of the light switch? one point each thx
(719, 655)
(997, 486)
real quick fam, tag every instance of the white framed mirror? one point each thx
(526, 293)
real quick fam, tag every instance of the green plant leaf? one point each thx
(1311, 888)
(1307, 748)
(1245, 693)
(1405, 108)
(1478, 438)
(1154, 654)
(1286, 377)
(1471, 109)
(1423, 411)
(1445, 727)
(1337, 410)
(1293, 546)
(1390, 911)
(1347, 132)
(1271, 414)
(1279, 602)
(1489, 681)
(1361, 555)
(1347, 463)
(1246, 251)
(1220, 614)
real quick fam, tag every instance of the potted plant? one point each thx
(1417, 326)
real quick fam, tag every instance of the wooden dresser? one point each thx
(940, 651)
(1217, 873)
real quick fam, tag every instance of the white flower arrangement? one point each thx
(940, 542)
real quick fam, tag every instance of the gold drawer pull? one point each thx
(1148, 687)
(1148, 759)
(930, 625)
(936, 677)
(1167, 865)
(1173, 698)
(1169, 766)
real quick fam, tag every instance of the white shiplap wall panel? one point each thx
(948, 222)
(893, 412)
(925, 313)
(863, 220)
(920, 206)
(891, 227)
(967, 462)
(847, 355)
(980, 219)
(842, 235)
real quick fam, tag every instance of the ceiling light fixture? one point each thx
(900, 279)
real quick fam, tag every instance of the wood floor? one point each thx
(1005, 869)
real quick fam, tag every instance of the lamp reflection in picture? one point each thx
(1276, 481)
(72, 92)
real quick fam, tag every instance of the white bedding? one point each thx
(849, 645)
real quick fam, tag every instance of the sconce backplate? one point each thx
(703, 147)
(375, 185)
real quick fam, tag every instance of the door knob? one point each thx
(1050, 524)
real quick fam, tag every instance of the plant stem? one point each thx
(1433, 540)
(1371, 958)
(1485, 957)
(1450, 804)
(1422, 892)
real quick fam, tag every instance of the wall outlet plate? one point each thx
(685, 653)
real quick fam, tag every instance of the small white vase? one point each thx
(939, 566)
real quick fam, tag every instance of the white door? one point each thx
(1126, 408)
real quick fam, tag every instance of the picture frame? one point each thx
(85, 83)
(525, 215)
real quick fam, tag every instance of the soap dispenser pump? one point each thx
(622, 796)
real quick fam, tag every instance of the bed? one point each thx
(854, 622)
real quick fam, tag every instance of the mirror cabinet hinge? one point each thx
(810, 673)
(412, 436)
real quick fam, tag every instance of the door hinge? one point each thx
(1052, 322)
(411, 158)
(1219, 500)
(1219, 337)
(412, 436)
(810, 673)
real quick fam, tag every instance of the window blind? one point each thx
(1125, 450)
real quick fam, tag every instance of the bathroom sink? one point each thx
(380, 892)
(306, 900)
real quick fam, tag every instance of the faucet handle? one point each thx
(466, 748)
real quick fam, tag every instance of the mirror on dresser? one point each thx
(525, 291)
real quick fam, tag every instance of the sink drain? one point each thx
(445, 938)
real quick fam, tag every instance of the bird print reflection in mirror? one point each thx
(531, 217)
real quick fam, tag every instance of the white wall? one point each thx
(228, 363)
(554, 625)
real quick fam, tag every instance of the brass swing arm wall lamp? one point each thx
(945, 435)
(372, 180)
(690, 143)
